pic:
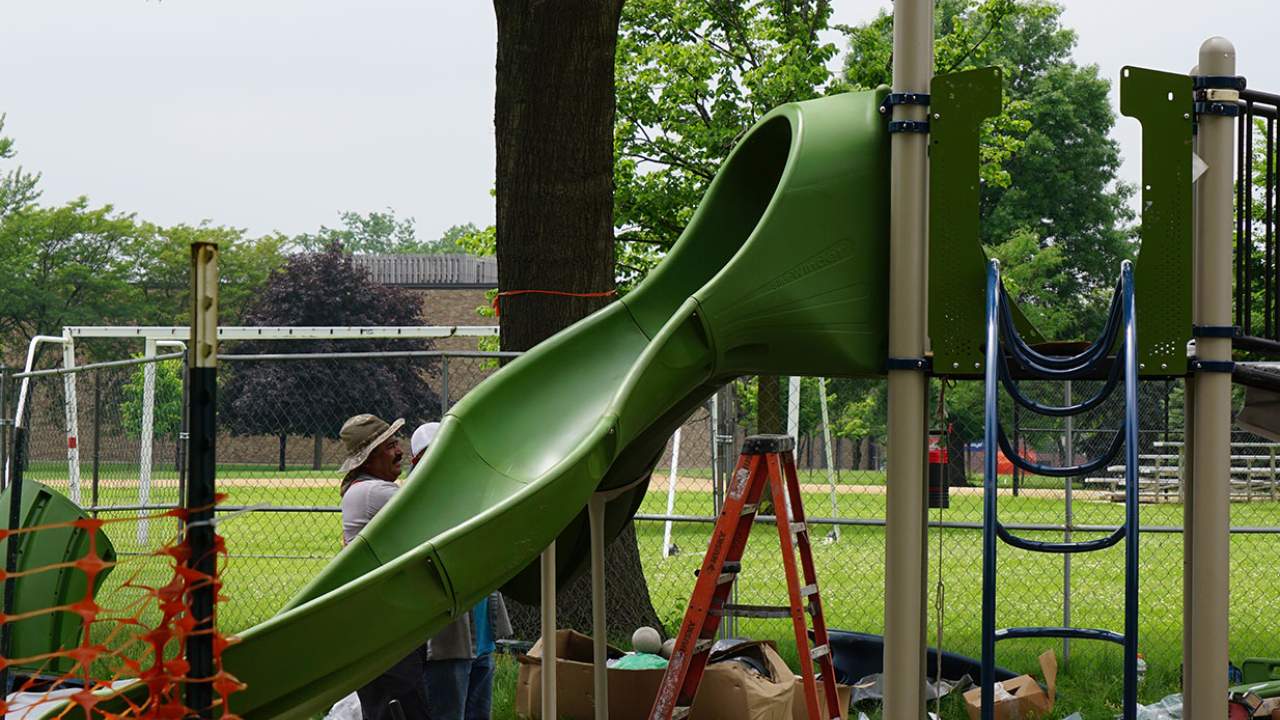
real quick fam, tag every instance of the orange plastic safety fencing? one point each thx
(130, 661)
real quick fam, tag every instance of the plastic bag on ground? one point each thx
(1169, 708)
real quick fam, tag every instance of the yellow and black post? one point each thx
(203, 383)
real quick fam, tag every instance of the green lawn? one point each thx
(273, 554)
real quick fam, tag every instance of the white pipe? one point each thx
(31, 358)
(793, 407)
(672, 478)
(72, 409)
(549, 632)
(599, 630)
(831, 465)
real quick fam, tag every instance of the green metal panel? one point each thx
(1162, 102)
(960, 102)
(782, 270)
(56, 587)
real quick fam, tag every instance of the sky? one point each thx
(277, 115)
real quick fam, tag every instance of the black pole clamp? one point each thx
(1219, 82)
(1213, 366)
(1215, 331)
(905, 98)
(909, 126)
(924, 364)
(1217, 107)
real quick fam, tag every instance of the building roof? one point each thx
(431, 271)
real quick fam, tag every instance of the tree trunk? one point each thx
(317, 452)
(282, 448)
(553, 122)
(864, 454)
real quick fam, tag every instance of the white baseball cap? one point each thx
(422, 438)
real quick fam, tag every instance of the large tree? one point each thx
(553, 122)
(313, 397)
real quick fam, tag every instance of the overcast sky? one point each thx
(279, 114)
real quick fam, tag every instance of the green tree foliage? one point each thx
(162, 269)
(314, 397)
(167, 412)
(18, 188)
(1052, 206)
(692, 76)
(375, 233)
(67, 265)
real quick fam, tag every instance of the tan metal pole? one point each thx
(904, 515)
(599, 640)
(1212, 438)
(549, 632)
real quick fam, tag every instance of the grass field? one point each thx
(273, 554)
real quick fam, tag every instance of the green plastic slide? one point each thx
(782, 271)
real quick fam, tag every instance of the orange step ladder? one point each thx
(766, 460)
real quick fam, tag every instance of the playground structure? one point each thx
(785, 270)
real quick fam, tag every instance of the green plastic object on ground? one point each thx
(47, 586)
(782, 270)
(640, 661)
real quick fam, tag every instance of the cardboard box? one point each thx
(799, 711)
(1027, 701)
(728, 690)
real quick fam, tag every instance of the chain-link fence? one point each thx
(277, 454)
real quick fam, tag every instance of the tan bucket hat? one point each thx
(360, 435)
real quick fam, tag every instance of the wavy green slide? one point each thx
(783, 270)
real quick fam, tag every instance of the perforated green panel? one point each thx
(1162, 102)
(957, 264)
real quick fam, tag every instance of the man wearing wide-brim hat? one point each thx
(369, 474)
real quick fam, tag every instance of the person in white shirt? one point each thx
(369, 473)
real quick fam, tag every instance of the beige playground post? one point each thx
(1211, 436)
(905, 547)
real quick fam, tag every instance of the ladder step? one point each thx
(798, 527)
(680, 712)
(808, 590)
(749, 509)
(820, 652)
(754, 611)
(703, 645)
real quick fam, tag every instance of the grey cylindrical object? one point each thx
(905, 548)
(599, 637)
(1212, 412)
(549, 632)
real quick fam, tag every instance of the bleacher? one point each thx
(1254, 474)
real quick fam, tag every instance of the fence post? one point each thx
(73, 420)
(5, 423)
(201, 494)
(444, 385)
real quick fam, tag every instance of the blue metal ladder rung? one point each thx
(1015, 633)
(1062, 548)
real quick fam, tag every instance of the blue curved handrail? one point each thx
(1011, 387)
(1084, 468)
(1062, 548)
(1121, 317)
(1088, 358)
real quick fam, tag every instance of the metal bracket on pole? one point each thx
(922, 364)
(1215, 331)
(1213, 366)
